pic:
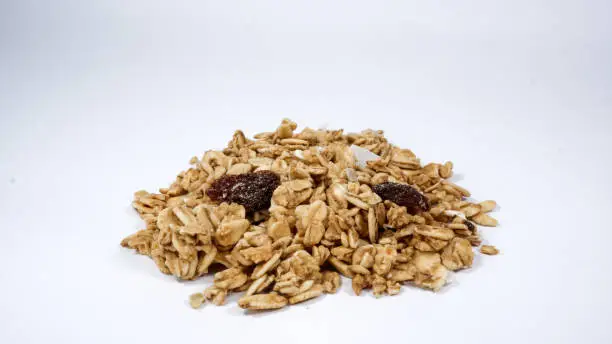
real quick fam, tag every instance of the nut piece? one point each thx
(489, 249)
(262, 302)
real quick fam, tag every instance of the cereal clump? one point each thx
(283, 215)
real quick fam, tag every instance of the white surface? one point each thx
(101, 98)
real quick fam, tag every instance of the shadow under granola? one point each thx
(235, 310)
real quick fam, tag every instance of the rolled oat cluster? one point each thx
(285, 213)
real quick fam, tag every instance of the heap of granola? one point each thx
(287, 212)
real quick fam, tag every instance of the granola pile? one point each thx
(283, 215)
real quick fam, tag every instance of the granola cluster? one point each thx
(284, 214)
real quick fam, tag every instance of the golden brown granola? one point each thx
(325, 220)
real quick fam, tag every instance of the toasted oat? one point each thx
(263, 302)
(314, 291)
(487, 206)
(484, 220)
(458, 254)
(196, 300)
(230, 278)
(324, 207)
(215, 295)
(331, 281)
(489, 250)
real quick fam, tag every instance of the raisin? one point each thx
(469, 225)
(402, 195)
(251, 190)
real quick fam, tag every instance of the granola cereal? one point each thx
(283, 215)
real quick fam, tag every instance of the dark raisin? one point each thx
(469, 225)
(251, 190)
(402, 195)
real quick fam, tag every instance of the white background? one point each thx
(101, 98)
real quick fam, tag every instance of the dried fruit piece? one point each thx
(251, 190)
(402, 195)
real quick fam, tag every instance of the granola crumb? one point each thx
(196, 300)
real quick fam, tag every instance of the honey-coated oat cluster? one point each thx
(287, 212)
